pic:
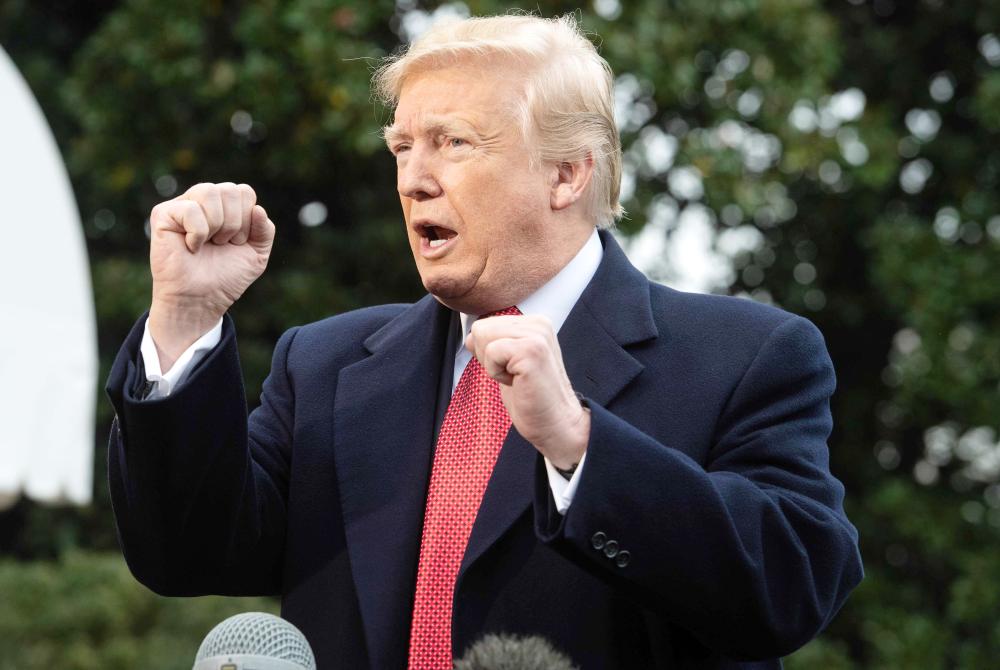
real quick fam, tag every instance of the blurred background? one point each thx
(837, 158)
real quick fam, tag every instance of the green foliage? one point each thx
(881, 223)
(86, 612)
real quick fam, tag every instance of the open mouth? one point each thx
(436, 236)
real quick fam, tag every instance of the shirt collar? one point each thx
(555, 299)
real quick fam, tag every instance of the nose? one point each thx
(415, 175)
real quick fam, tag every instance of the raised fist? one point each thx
(206, 247)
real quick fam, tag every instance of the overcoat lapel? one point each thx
(613, 312)
(384, 433)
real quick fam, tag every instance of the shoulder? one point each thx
(365, 320)
(339, 337)
(737, 318)
(714, 331)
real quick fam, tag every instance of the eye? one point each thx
(456, 142)
(400, 148)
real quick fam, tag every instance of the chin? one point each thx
(444, 287)
(456, 295)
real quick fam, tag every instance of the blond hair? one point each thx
(567, 110)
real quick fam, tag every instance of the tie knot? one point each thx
(506, 311)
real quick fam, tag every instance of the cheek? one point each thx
(521, 205)
(498, 207)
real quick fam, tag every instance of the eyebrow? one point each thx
(392, 134)
(433, 126)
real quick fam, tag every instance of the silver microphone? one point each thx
(254, 641)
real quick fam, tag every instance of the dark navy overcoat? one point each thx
(707, 530)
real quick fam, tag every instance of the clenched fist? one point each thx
(206, 247)
(522, 353)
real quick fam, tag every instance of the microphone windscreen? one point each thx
(508, 652)
(267, 640)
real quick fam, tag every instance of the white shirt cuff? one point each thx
(165, 382)
(563, 490)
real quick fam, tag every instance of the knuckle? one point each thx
(535, 345)
(201, 189)
(248, 191)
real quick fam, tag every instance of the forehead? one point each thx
(472, 95)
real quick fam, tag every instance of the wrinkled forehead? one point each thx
(479, 93)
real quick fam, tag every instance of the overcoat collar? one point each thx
(384, 425)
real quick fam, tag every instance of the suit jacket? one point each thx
(707, 530)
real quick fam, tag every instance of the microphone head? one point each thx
(508, 652)
(255, 640)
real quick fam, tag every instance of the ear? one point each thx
(569, 180)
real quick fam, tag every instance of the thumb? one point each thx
(261, 230)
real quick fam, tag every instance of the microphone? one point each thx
(508, 652)
(254, 641)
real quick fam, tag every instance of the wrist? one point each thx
(174, 327)
(569, 445)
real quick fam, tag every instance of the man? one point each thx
(648, 488)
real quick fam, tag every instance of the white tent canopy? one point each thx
(48, 346)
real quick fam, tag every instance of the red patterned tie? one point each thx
(471, 435)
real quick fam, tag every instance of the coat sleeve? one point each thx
(751, 552)
(198, 490)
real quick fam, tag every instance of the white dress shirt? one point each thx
(554, 300)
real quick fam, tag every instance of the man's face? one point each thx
(475, 210)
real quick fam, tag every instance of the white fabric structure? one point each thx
(48, 341)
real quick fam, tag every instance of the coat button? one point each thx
(621, 560)
(597, 542)
(611, 549)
